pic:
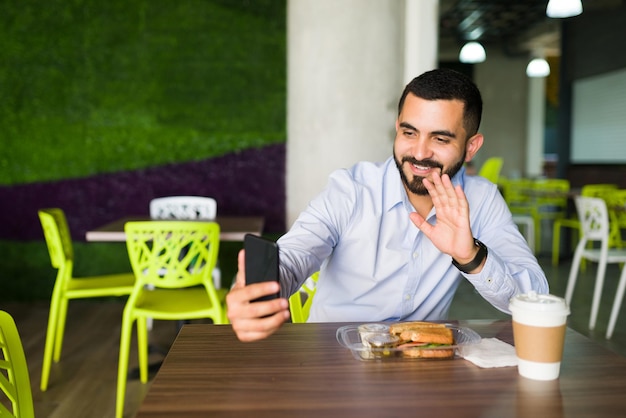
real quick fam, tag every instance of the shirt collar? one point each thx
(393, 189)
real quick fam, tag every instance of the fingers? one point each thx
(240, 278)
(416, 218)
(240, 305)
(441, 190)
(460, 194)
(444, 194)
(258, 329)
(257, 320)
(266, 288)
(253, 321)
(451, 233)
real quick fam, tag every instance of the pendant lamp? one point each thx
(472, 53)
(564, 8)
(538, 67)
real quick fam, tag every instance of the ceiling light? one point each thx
(538, 67)
(472, 53)
(564, 8)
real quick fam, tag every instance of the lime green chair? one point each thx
(300, 302)
(173, 262)
(14, 380)
(491, 169)
(187, 208)
(549, 202)
(588, 190)
(66, 286)
(516, 193)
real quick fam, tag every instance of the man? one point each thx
(393, 240)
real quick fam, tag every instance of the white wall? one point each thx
(504, 87)
(598, 122)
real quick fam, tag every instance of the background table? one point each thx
(232, 228)
(302, 371)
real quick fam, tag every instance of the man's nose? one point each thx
(421, 150)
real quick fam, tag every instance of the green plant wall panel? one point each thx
(91, 86)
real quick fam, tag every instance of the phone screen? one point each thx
(261, 261)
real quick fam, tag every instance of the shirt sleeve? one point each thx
(510, 268)
(316, 231)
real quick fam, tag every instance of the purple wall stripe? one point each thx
(250, 182)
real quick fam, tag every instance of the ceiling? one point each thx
(517, 26)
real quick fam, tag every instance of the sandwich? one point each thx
(420, 339)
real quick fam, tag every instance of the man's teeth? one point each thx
(421, 167)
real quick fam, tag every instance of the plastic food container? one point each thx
(373, 341)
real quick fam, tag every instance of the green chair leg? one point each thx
(122, 368)
(142, 347)
(556, 242)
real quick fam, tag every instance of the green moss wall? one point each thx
(92, 86)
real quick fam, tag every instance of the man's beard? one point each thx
(415, 185)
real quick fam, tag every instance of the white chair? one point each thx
(183, 207)
(619, 295)
(187, 208)
(594, 219)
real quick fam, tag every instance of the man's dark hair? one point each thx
(446, 84)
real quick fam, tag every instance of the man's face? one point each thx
(429, 137)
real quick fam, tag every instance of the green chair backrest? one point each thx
(551, 192)
(172, 254)
(515, 192)
(14, 379)
(491, 169)
(300, 302)
(57, 234)
(597, 190)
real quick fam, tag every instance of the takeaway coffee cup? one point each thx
(539, 323)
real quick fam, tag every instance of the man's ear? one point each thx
(473, 145)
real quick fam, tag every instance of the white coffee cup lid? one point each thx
(532, 301)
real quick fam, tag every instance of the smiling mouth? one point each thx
(419, 168)
(422, 169)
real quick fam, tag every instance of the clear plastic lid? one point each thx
(374, 342)
(533, 301)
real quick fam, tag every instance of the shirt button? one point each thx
(414, 254)
(407, 297)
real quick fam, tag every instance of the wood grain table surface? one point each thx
(302, 371)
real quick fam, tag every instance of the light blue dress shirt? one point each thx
(375, 264)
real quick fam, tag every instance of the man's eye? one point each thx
(442, 140)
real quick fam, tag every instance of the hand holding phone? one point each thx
(261, 261)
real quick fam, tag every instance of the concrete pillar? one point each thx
(421, 36)
(348, 61)
(535, 126)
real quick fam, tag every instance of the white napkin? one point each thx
(490, 352)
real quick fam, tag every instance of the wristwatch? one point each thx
(472, 265)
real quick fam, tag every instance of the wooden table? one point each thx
(232, 228)
(302, 371)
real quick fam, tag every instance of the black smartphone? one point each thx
(261, 261)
